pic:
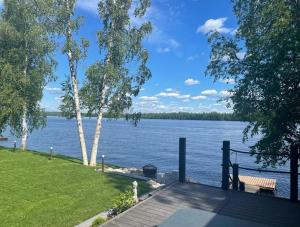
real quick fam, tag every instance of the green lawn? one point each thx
(35, 191)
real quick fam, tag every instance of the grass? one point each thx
(97, 222)
(36, 191)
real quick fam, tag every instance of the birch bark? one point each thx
(93, 161)
(24, 117)
(75, 88)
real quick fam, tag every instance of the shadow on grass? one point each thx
(121, 183)
(44, 154)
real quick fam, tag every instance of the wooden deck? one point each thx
(260, 209)
(263, 183)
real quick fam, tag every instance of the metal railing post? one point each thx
(294, 173)
(182, 159)
(225, 165)
(235, 176)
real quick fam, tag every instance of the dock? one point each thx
(258, 209)
(258, 183)
(262, 183)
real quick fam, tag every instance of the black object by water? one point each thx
(150, 171)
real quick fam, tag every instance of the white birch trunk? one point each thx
(24, 117)
(75, 91)
(93, 161)
(24, 129)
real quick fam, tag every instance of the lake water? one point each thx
(155, 142)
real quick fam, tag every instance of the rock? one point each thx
(153, 184)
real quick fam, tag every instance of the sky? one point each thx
(179, 54)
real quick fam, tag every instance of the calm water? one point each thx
(155, 142)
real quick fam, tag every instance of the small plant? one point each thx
(97, 222)
(124, 201)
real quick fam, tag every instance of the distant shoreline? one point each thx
(211, 116)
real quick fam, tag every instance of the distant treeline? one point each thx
(212, 116)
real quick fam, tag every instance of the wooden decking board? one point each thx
(207, 203)
(264, 183)
(260, 209)
(139, 221)
(156, 207)
(156, 211)
(146, 216)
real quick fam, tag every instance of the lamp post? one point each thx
(102, 157)
(51, 153)
(15, 145)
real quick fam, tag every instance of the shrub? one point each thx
(97, 222)
(124, 201)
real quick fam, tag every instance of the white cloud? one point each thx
(173, 94)
(54, 90)
(88, 5)
(173, 43)
(241, 55)
(199, 97)
(225, 93)
(234, 31)
(163, 50)
(191, 81)
(212, 25)
(58, 98)
(192, 57)
(184, 96)
(209, 92)
(169, 90)
(228, 81)
(164, 42)
(148, 98)
(168, 94)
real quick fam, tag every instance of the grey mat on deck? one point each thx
(199, 218)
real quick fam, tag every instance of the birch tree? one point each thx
(75, 51)
(120, 73)
(26, 50)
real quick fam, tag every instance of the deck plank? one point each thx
(251, 207)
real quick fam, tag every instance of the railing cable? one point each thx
(265, 170)
(256, 153)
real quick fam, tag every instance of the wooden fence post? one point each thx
(182, 159)
(294, 173)
(235, 176)
(225, 165)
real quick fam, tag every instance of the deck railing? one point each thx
(226, 165)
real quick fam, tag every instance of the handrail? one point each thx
(271, 154)
(265, 170)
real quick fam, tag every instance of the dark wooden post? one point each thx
(182, 159)
(225, 165)
(235, 176)
(294, 173)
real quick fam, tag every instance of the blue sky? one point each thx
(179, 54)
